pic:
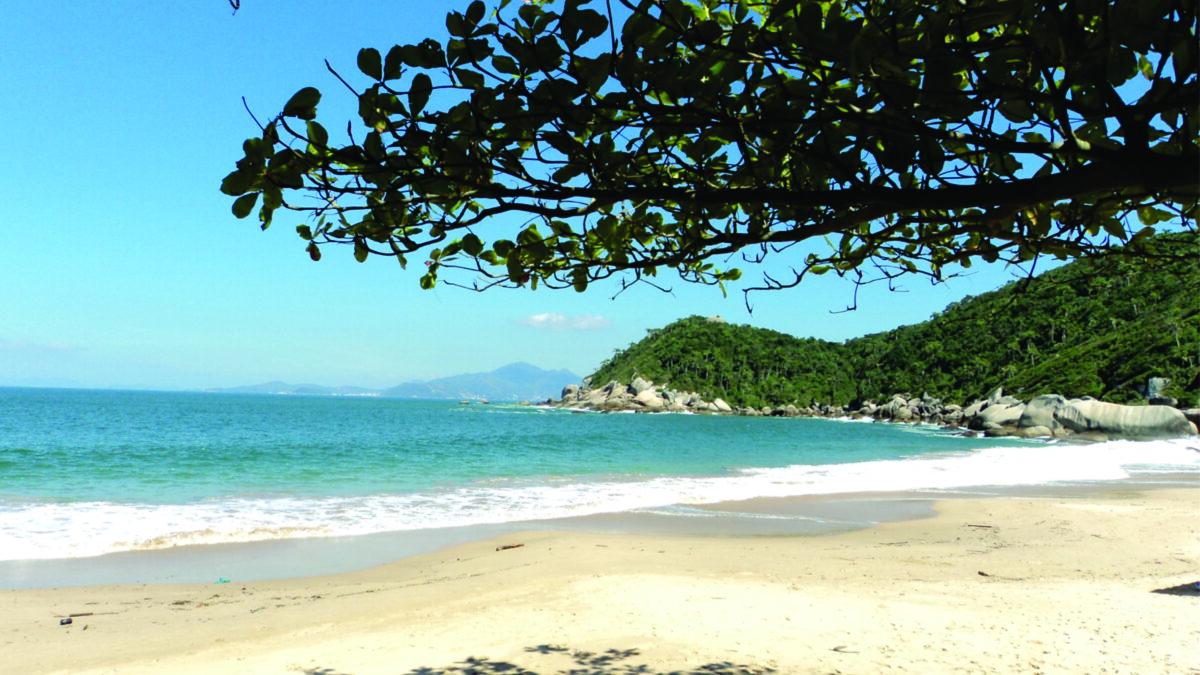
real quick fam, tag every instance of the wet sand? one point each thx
(1070, 583)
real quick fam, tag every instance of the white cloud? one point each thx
(556, 321)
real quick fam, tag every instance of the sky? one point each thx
(121, 265)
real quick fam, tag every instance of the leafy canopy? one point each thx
(557, 143)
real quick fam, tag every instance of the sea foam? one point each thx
(40, 530)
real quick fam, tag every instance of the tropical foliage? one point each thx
(557, 143)
(1089, 328)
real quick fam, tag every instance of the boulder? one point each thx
(722, 406)
(1036, 431)
(998, 397)
(973, 409)
(570, 392)
(1039, 412)
(619, 400)
(1130, 421)
(594, 397)
(1192, 414)
(1155, 387)
(997, 415)
(639, 385)
(650, 399)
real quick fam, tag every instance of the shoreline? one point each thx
(814, 515)
(1062, 584)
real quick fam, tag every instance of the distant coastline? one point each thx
(514, 382)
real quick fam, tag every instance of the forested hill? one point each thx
(1094, 328)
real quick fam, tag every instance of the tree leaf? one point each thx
(318, 138)
(303, 104)
(505, 64)
(238, 182)
(244, 205)
(475, 13)
(418, 93)
(394, 63)
(472, 245)
(370, 64)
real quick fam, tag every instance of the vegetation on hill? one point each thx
(743, 365)
(1096, 328)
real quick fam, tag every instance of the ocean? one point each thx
(86, 473)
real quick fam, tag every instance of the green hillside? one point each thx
(1094, 328)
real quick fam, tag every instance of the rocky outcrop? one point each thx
(1049, 416)
(1055, 416)
(639, 396)
(1126, 421)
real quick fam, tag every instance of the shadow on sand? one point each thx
(611, 662)
(1190, 589)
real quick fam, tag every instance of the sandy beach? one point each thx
(1100, 583)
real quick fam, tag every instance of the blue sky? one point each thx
(121, 265)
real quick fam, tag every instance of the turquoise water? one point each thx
(87, 472)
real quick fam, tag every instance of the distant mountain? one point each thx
(277, 387)
(514, 382)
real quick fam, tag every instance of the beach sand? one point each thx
(1100, 583)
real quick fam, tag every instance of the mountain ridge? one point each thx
(1088, 328)
(519, 381)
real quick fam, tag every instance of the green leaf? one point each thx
(370, 64)
(469, 78)
(1113, 227)
(475, 13)
(505, 64)
(456, 26)
(242, 206)
(393, 64)
(360, 250)
(472, 245)
(418, 93)
(1152, 216)
(238, 183)
(303, 104)
(503, 247)
(313, 251)
(1146, 67)
(516, 273)
(318, 138)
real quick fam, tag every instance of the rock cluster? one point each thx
(1054, 416)
(641, 396)
(1049, 416)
